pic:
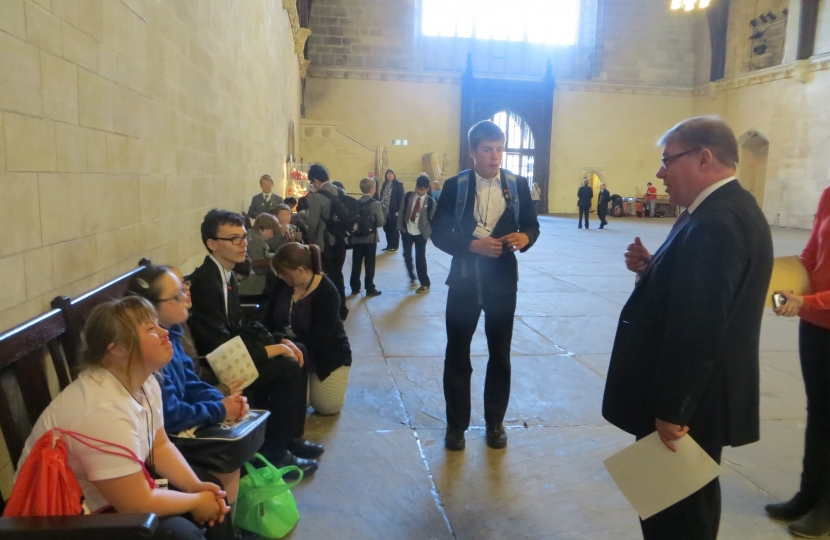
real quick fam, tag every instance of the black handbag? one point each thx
(226, 446)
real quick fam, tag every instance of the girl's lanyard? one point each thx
(288, 330)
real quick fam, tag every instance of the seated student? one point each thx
(117, 399)
(415, 225)
(308, 310)
(187, 401)
(365, 247)
(286, 232)
(290, 202)
(264, 230)
(217, 316)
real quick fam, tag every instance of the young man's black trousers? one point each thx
(363, 254)
(463, 312)
(420, 256)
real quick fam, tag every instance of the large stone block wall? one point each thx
(121, 123)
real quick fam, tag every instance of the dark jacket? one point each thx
(258, 204)
(603, 198)
(187, 400)
(395, 199)
(469, 271)
(584, 195)
(208, 322)
(327, 343)
(686, 349)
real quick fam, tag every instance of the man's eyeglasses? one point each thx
(668, 159)
(236, 240)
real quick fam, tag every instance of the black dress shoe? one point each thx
(308, 466)
(793, 509)
(373, 292)
(305, 449)
(496, 436)
(454, 440)
(815, 524)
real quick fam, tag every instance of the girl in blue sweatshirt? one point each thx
(187, 401)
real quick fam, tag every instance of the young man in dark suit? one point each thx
(685, 358)
(266, 201)
(482, 226)
(584, 195)
(603, 199)
(216, 317)
(415, 225)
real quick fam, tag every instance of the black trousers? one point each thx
(602, 211)
(583, 212)
(814, 349)
(281, 388)
(393, 237)
(697, 517)
(333, 258)
(420, 256)
(182, 528)
(463, 312)
(363, 254)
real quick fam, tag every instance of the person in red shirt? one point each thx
(809, 509)
(651, 198)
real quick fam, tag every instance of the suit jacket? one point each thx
(425, 217)
(395, 199)
(208, 323)
(603, 199)
(380, 220)
(686, 349)
(470, 272)
(319, 210)
(258, 204)
(584, 195)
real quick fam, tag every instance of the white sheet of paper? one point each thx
(231, 361)
(652, 477)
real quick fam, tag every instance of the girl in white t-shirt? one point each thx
(117, 399)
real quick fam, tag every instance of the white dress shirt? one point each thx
(227, 274)
(267, 196)
(708, 191)
(489, 201)
(412, 226)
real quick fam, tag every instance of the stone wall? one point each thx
(121, 123)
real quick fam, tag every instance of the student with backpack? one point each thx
(415, 225)
(331, 219)
(365, 239)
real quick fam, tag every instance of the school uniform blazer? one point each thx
(258, 204)
(208, 323)
(380, 220)
(686, 349)
(424, 218)
(469, 271)
(319, 210)
(584, 195)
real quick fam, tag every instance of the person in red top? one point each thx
(811, 505)
(651, 197)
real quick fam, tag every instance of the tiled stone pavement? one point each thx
(385, 473)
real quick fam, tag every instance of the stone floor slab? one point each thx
(578, 335)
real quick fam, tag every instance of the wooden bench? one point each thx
(26, 353)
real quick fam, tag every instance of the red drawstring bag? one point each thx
(46, 486)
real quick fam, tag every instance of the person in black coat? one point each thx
(584, 195)
(603, 199)
(216, 317)
(307, 309)
(391, 197)
(685, 357)
(483, 276)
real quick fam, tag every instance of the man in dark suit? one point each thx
(391, 197)
(216, 317)
(584, 195)
(266, 201)
(482, 228)
(603, 199)
(685, 357)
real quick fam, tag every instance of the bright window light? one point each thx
(551, 22)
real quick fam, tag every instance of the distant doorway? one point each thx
(595, 178)
(753, 155)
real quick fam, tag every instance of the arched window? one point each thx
(519, 147)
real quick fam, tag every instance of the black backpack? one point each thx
(344, 214)
(365, 225)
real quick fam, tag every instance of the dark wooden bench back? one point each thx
(24, 382)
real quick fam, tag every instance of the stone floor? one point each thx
(385, 473)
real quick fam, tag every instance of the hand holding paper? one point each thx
(231, 362)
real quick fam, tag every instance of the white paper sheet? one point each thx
(232, 362)
(652, 477)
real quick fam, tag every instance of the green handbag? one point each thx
(265, 505)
